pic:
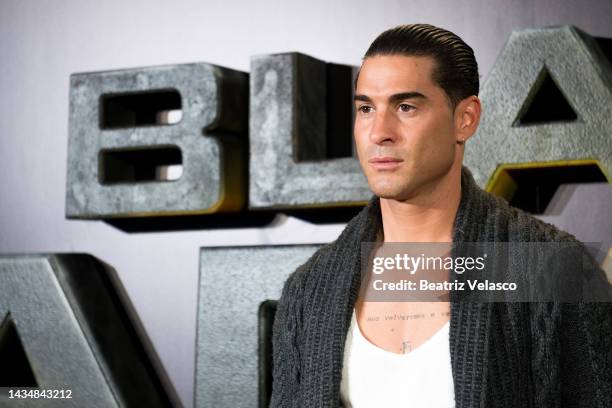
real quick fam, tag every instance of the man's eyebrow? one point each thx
(393, 98)
(362, 98)
(406, 95)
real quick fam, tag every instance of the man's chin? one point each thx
(390, 192)
(396, 197)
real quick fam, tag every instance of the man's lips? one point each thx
(384, 162)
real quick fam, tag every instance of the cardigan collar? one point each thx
(469, 321)
(367, 223)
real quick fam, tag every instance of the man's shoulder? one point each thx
(311, 266)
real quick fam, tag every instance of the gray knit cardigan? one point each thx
(539, 354)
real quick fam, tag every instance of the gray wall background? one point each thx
(43, 42)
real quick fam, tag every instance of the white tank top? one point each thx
(374, 377)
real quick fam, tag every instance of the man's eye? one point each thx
(365, 109)
(404, 107)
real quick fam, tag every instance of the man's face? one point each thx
(404, 126)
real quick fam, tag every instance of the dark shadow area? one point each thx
(139, 165)
(148, 108)
(267, 311)
(537, 186)
(323, 107)
(243, 219)
(339, 124)
(15, 368)
(605, 44)
(545, 104)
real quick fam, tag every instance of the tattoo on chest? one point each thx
(402, 316)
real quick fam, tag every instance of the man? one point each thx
(416, 108)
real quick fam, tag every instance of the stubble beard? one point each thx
(406, 187)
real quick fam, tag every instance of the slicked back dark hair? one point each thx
(455, 71)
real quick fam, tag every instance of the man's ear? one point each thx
(467, 117)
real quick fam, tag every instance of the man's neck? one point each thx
(428, 217)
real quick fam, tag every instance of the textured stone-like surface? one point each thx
(583, 75)
(287, 133)
(233, 284)
(211, 136)
(76, 333)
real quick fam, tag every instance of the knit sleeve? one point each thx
(572, 358)
(586, 349)
(586, 354)
(285, 347)
(572, 350)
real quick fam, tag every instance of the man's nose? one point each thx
(383, 129)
